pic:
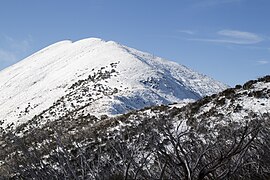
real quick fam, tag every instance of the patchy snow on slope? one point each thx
(237, 105)
(182, 103)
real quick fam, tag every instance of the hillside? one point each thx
(101, 77)
(222, 136)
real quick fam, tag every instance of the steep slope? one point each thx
(95, 76)
(223, 136)
(252, 100)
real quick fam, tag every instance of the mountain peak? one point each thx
(97, 77)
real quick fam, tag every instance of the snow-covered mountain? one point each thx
(222, 136)
(97, 77)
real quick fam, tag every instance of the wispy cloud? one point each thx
(241, 36)
(12, 50)
(190, 32)
(262, 62)
(7, 57)
(233, 37)
(19, 45)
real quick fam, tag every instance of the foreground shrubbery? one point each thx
(138, 147)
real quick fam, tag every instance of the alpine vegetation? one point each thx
(222, 136)
(100, 110)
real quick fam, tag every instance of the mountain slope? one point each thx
(95, 76)
(222, 136)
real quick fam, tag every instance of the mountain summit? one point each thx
(97, 77)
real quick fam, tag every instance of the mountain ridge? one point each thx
(135, 78)
(225, 135)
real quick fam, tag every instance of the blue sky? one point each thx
(228, 40)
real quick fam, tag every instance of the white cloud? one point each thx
(19, 45)
(187, 32)
(12, 50)
(7, 57)
(262, 62)
(233, 37)
(241, 36)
